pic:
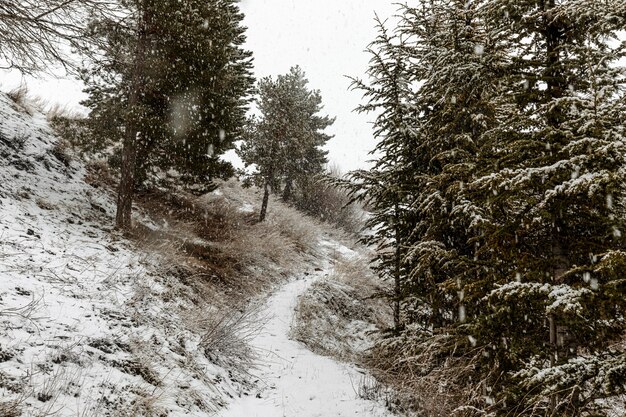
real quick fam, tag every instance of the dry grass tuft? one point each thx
(225, 334)
(300, 230)
(27, 102)
(10, 409)
(340, 316)
(20, 96)
(99, 174)
(427, 380)
(61, 151)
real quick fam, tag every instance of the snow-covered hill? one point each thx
(90, 325)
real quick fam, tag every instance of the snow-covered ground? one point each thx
(90, 325)
(93, 325)
(293, 381)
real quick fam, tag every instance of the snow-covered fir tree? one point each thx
(454, 107)
(510, 185)
(385, 188)
(551, 178)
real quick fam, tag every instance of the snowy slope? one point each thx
(85, 328)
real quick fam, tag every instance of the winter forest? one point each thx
(182, 242)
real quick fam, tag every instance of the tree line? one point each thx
(498, 199)
(169, 87)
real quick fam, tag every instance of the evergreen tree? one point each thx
(431, 85)
(552, 180)
(506, 173)
(175, 74)
(386, 187)
(454, 108)
(285, 143)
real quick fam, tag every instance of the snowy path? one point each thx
(299, 383)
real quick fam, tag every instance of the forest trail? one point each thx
(295, 382)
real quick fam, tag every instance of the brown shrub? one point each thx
(426, 376)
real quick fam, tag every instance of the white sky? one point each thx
(326, 38)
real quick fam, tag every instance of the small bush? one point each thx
(256, 246)
(20, 96)
(426, 376)
(60, 151)
(300, 231)
(75, 133)
(226, 336)
(10, 409)
(339, 315)
(329, 203)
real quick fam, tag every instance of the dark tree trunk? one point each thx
(127, 182)
(397, 272)
(555, 117)
(266, 199)
(129, 152)
(288, 190)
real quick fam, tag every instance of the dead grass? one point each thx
(30, 103)
(99, 174)
(10, 409)
(340, 315)
(330, 203)
(225, 334)
(427, 380)
(300, 230)
(216, 240)
(20, 95)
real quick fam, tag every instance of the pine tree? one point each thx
(552, 181)
(454, 109)
(285, 143)
(428, 143)
(175, 74)
(386, 187)
(509, 186)
(208, 88)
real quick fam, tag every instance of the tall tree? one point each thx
(285, 143)
(178, 77)
(552, 180)
(511, 192)
(385, 188)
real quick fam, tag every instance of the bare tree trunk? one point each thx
(266, 199)
(126, 188)
(397, 273)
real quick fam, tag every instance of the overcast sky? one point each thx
(327, 38)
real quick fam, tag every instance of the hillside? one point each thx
(93, 323)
